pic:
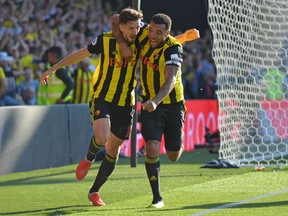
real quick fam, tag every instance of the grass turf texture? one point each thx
(187, 189)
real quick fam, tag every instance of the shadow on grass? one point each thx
(33, 179)
(50, 211)
(219, 206)
(197, 156)
(83, 208)
(36, 181)
(64, 210)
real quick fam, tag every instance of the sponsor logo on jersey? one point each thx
(146, 61)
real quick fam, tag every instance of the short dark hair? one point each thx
(161, 18)
(129, 14)
(56, 51)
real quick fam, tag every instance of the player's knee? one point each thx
(101, 139)
(173, 157)
(113, 150)
(152, 148)
(112, 153)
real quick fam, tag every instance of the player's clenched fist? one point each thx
(191, 34)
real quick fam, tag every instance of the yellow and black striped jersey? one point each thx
(83, 85)
(152, 68)
(116, 77)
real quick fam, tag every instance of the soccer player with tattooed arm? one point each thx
(163, 107)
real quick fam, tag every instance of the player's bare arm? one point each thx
(188, 35)
(170, 79)
(71, 59)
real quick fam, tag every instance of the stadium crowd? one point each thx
(29, 28)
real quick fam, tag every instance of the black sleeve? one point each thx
(62, 74)
(173, 55)
(96, 46)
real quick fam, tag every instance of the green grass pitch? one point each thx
(186, 188)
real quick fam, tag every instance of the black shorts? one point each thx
(120, 117)
(167, 119)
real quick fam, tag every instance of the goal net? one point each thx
(250, 50)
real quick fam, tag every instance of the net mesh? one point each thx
(250, 50)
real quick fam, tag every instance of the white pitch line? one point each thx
(218, 208)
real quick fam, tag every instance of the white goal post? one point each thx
(250, 50)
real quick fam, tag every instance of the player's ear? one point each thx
(121, 27)
(167, 33)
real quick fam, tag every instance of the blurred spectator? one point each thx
(10, 98)
(28, 88)
(28, 28)
(60, 87)
(208, 88)
(83, 83)
(191, 86)
(3, 86)
(205, 73)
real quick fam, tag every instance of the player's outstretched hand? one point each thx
(45, 77)
(191, 34)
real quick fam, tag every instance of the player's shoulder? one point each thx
(143, 29)
(107, 35)
(172, 41)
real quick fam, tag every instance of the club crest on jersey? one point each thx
(156, 56)
(97, 112)
(146, 61)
